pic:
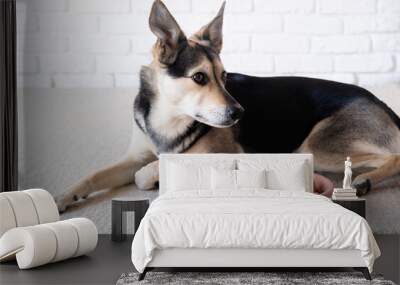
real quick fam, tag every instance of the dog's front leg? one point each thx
(138, 154)
(117, 175)
(147, 176)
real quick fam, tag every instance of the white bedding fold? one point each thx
(250, 219)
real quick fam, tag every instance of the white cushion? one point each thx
(67, 237)
(23, 208)
(226, 179)
(7, 220)
(87, 229)
(31, 246)
(40, 244)
(45, 206)
(288, 175)
(26, 208)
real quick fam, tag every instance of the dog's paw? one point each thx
(362, 185)
(63, 201)
(144, 180)
(61, 204)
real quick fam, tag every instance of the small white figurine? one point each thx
(347, 174)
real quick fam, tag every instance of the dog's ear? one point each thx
(169, 35)
(211, 34)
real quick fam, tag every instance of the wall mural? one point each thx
(189, 103)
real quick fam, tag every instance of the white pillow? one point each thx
(281, 174)
(193, 174)
(251, 178)
(181, 178)
(225, 179)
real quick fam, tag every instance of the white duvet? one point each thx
(250, 219)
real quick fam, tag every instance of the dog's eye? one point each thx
(224, 76)
(200, 78)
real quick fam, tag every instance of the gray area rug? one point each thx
(269, 278)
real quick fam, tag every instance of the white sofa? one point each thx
(31, 233)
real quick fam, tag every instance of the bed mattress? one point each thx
(251, 219)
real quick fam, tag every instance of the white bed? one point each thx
(282, 224)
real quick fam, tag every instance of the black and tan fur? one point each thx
(176, 112)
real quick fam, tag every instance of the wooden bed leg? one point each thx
(364, 271)
(143, 274)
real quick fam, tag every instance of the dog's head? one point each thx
(190, 72)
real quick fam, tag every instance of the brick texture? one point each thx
(103, 43)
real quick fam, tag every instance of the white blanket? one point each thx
(250, 219)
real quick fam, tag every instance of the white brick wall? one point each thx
(103, 43)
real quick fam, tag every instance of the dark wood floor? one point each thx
(103, 266)
(111, 259)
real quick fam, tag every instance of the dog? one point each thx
(188, 103)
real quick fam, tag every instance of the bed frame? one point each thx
(242, 259)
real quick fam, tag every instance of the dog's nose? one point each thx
(235, 112)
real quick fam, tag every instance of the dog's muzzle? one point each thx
(221, 117)
(235, 112)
